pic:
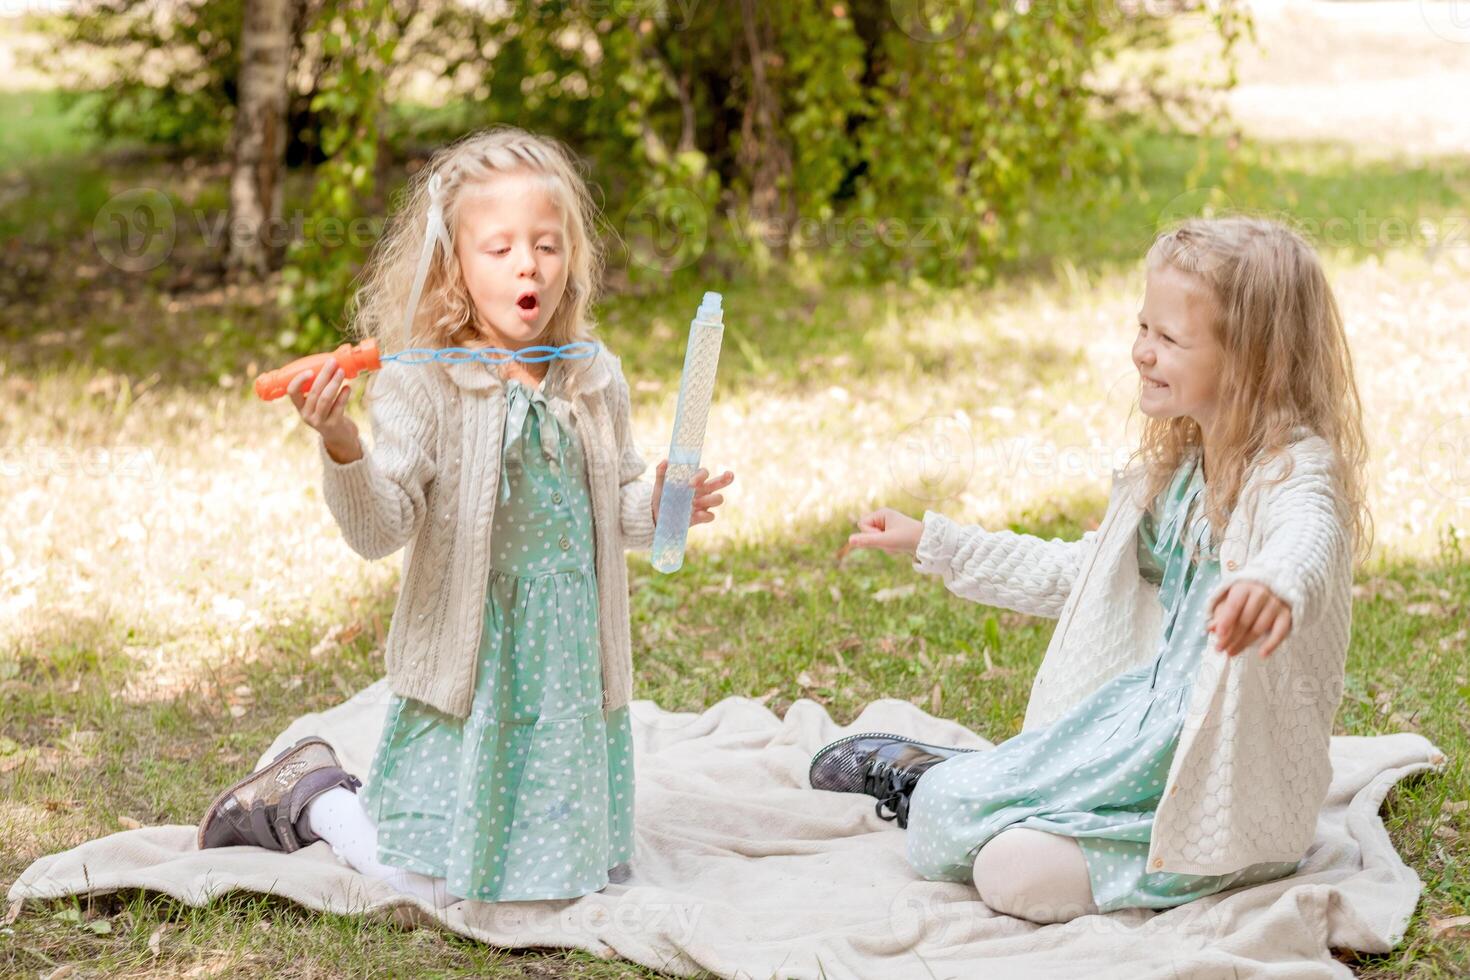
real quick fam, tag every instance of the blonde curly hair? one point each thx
(1285, 363)
(445, 316)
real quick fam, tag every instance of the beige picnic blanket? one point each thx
(743, 871)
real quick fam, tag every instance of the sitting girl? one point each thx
(504, 770)
(1155, 766)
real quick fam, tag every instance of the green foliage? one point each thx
(164, 76)
(863, 140)
(320, 268)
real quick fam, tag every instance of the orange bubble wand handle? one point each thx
(353, 360)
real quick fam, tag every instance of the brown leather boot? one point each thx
(262, 809)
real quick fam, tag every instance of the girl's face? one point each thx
(511, 241)
(1175, 351)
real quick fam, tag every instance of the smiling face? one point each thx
(511, 241)
(1176, 352)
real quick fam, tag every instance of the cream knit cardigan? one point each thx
(430, 482)
(1251, 769)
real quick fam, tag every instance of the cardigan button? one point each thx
(1174, 789)
(556, 498)
(1231, 564)
(1158, 862)
(564, 543)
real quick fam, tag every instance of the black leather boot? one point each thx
(884, 766)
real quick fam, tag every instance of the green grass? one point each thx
(41, 126)
(89, 740)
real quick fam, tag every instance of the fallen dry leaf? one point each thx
(128, 823)
(897, 592)
(1455, 925)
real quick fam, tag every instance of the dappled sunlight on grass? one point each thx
(196, 517)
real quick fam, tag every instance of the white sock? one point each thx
(337, 817)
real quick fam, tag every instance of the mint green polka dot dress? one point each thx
(1097, 773)
(531, 796)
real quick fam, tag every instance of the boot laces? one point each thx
(892, 787)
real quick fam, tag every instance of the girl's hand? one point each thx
(1248, 610)
(705, 497)
(888, 529)
(324, 408)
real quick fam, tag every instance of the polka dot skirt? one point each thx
(1097, 773)
(531, 796)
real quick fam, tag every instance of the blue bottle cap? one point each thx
(709, 307)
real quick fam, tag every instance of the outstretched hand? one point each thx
(888, 529)
(1245, 612)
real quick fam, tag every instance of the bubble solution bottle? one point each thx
(676, 505)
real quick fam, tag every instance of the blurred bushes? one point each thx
(870, 138)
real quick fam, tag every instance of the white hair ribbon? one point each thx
(434, 229)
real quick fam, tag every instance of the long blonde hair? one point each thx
(1285, 363)
(446, 314)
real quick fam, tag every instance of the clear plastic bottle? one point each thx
(701, 358)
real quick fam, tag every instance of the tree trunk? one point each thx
(764, 155)
(257, 235)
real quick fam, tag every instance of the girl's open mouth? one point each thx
(529, 306)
